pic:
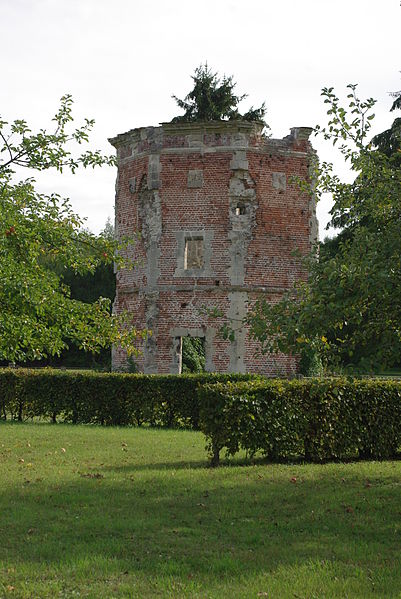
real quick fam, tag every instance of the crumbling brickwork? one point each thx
(219, 214)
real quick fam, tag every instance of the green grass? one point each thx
(97, 512)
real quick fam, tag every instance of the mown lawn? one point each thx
(101, 512)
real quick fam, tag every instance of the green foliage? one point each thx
(317, 419)
(132, 368)
(105, 398)
(88, 288)
(38, 315)
(349, 311)
(193, 354)
(310, 362)
(212, 99)
(389, 142)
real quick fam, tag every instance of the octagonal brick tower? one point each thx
(219, 215)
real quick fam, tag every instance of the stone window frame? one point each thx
(176, 333)
(189, 250)
(182, 237)
(240, 209)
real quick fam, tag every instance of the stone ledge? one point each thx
(224, 289)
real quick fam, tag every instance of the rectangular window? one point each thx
(193, 253)
(240, 210)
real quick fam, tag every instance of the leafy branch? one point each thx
(43, 150)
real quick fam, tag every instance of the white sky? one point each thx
(123, 59)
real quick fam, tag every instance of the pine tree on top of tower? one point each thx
(213, 99)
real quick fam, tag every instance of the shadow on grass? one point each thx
(237, 462)
(227, 523)
(174, 518)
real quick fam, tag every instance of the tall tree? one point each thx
(38, 316)
(388, 142)
(349, 311)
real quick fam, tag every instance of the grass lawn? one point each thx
(102, 512)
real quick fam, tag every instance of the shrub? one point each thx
(317, 419)
(104, 398)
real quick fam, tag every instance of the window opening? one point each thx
(239, 210)
(191, 356)
(193, 254)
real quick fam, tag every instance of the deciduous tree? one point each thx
(38, 317)
(349, 311)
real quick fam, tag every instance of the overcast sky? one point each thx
(123, 59)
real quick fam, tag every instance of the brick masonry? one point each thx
(227, 185)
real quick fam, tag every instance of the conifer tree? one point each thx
(213, 99)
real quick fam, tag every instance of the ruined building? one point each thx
(219, 213)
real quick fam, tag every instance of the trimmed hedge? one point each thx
(105, 398)
(317, 419)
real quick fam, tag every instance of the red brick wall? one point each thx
(160, 206)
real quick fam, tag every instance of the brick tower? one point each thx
(219, 215)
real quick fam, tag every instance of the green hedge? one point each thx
(316, 419)
(105, 398)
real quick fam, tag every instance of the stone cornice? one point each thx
(221, 289)
(201, 127)
(183, 138)
(254, 127)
